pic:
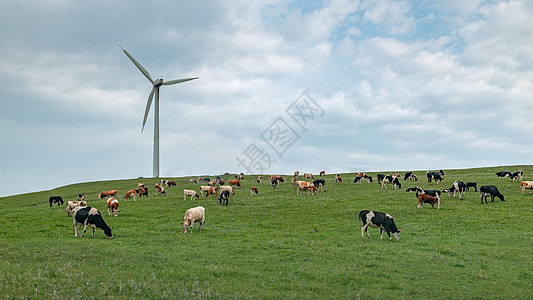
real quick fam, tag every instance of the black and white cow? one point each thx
(435, 176)
(392, 180)
(490, 190)
(56, 199)
(379, 220)
(380, 177)
(410, 176)
(504, 174)
(224, 197)
(471, 185)
(320, 184)
(89, 216)
(457, 187)
(517, 176)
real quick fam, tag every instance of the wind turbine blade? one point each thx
(169, 82)
(148, 104)
(143, 70)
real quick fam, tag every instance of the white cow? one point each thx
(195, 214)
(190, 193)
(227, 188)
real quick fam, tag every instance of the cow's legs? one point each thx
(75, 228)
(381, 233)
(364, 229)
(84, 229)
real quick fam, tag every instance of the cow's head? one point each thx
(107, 232)
(185, 225)
(396, 235)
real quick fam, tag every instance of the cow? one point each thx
(253, 190)
(504, 174)
(435, 176)
(112, 206)
(201, 180)
(212, 190)
(56, 199)
(410, 176)
(419, 190)
(235, 182)
(471, 185)
(73, 204)
(309, 176)
(89, 216)
(392, 179)
(110, 193)
(227, 188)
(304, 185)
(526, 185)
(190, 193)
(274, 183)
(516, 176)
(322, 173)
(259, 179)
(293, 182)
(380, 220)
(276, 177)
(459, 187)
(195, 214)
(320, 183)
(490, 190)
(192, 180)
(171, 183)
(221, 181)
(205, 188)
(424, 198)
(338, 179)
(380, 177)
(212, 182)
(142, 191)
(296, 174)
(357, 179)
(160, 190)
(81, 197)
(224, 198)
(130, 194)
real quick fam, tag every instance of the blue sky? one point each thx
(403, 85)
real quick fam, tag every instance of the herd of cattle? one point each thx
(85, 216)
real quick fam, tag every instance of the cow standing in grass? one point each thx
(89, 216)
(379, 220)
(490, 190)
(195, 214)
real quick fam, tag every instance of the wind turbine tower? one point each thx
(155, 90)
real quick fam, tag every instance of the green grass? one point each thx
(274, 245)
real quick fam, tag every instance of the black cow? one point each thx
(490, 190)
(320, 183)
(56, 199)
(274, 183)
(89, 216)
(459, 187)
(503, 174)
(471, 184)
(357, 179)
(380, 177)
(379, 220)
(435, 176)
(224, 198)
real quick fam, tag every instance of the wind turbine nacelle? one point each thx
(158, 82)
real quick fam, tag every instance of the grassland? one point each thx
(274, 245)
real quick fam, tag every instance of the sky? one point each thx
(340, 86)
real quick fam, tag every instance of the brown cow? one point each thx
(235, 182)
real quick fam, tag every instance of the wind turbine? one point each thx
(155, 90)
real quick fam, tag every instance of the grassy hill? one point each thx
(275, 244)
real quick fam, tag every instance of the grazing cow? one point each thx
(112, 206)
(435, 176)
(81, 197)
(392, 179)
(160, 190)
(89, 216)
(304, 185)
(504, 174)
(110, 193)
(259, 179)
(235, 182)
(190, 193)
(73, 204)
(516, 176)
(308, 176)
(171, 183)
(56, 199)
(274, 183)
(195, 214)
(296, 174)
(380, 177)
(276, 177)
(130, 194)
(320, 183)
(193, 181)
(424, 198)
(322, 173)
(293, 182)
(142, 191)
(526, 185)
(410, 176)
(212, 190)
(201, 180)
(227, 188)
(253, 190)
(212, 182)
(221, 181)
(338, 179)
(357, 179)
(490, 190)
(471, 185)
(459, 187)
(204, 188)
(224, 198)
(379, 220)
